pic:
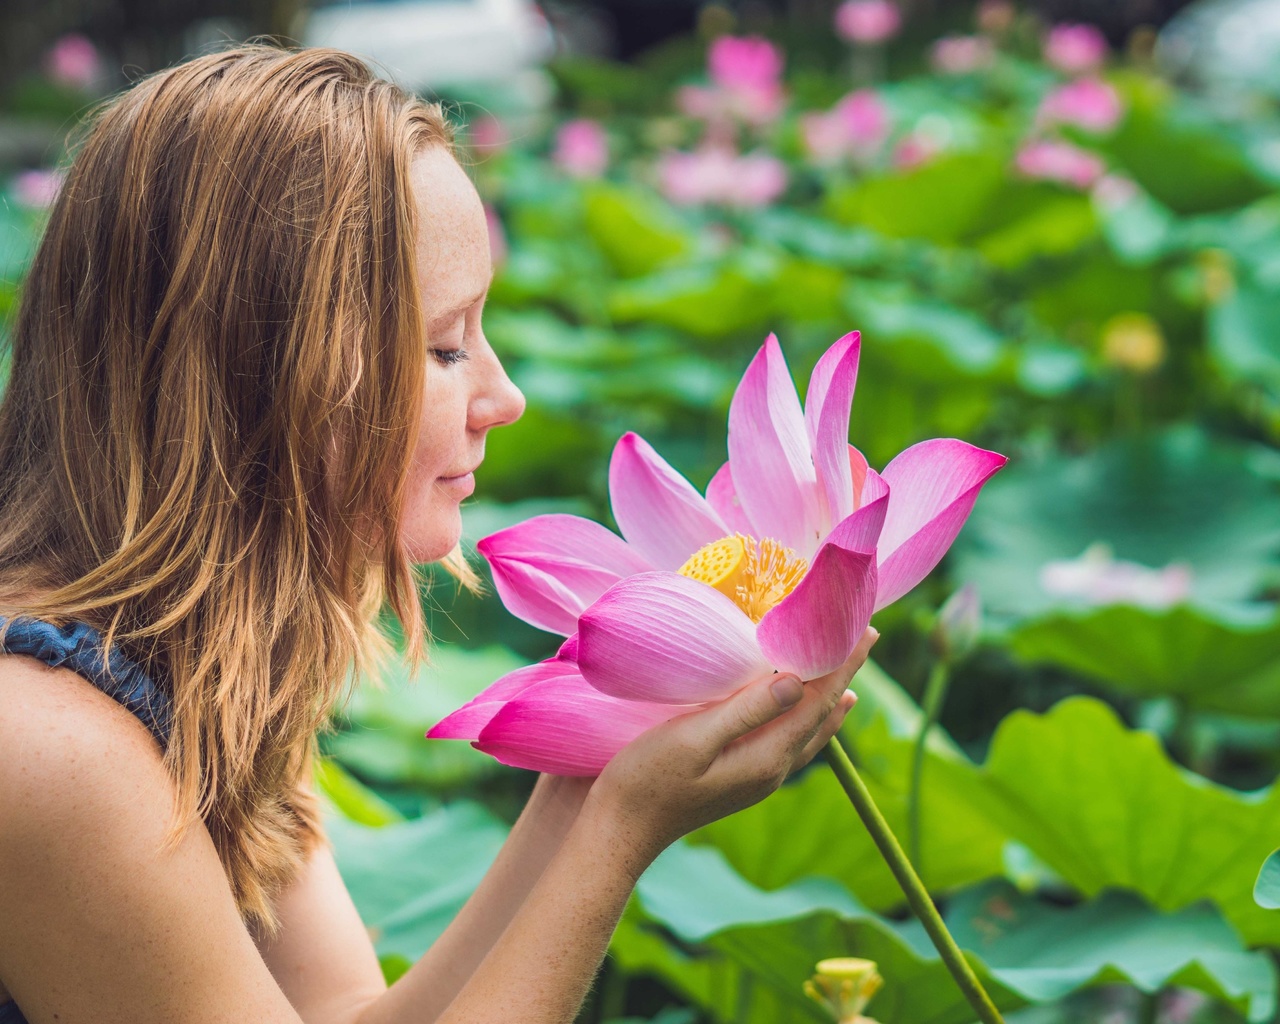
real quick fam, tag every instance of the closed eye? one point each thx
(450, 356)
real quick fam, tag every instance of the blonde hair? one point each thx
(214, 395)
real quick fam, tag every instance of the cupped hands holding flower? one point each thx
(779, 567)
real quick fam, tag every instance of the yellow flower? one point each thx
(1133, 341)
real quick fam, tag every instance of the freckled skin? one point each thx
(461, 402)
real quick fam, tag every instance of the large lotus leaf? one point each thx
(755, 948)
(1266, 890)
(1106, 808)
(1244, 337)
(707, 301)
(636, 233)
(809, 828)
(1180, 652)
(1180, 153)
(409, 879)
(388, 722)
(1052, 225)
(940, 201)
(1173, 497)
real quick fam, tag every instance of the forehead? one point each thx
(452, 247)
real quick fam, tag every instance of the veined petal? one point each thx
(826, 418)
(858, 471)
(549, 568)
(666, 638)
(816, 627)
(658, 511)
(566, 727)
(934, 485)
(467, 722)
(723, 497)
(773, 468)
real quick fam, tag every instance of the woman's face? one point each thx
(466, 391)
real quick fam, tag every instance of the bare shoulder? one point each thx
(86, 878)
(62, 738)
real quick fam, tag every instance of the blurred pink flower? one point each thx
(497, 236)
(960, 55)
(73, 61)
(914, 149)
(1075, 48)
(1055, 160)
(868, 21)
(489, 135)
(746, 76)
(1086, 103)
(582, 149)
(37, 190)
(747, 62)
(1098, 578)
(717, 175)
(856, 126)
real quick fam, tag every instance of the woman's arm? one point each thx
(673, 779)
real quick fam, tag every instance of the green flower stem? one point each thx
(935, 693)
(917, 896)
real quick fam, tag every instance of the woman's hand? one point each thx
(707, 764)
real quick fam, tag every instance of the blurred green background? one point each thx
(1058, 228)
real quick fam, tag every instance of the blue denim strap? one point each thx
(78, 646)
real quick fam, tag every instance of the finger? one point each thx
(830, 726)
(756, 704)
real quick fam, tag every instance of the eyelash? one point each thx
(450, 356)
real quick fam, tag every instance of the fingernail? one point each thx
(787, 690)
(875, 635)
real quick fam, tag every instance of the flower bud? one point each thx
(959, 621)
(844, 985)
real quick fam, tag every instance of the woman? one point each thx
(249, 387)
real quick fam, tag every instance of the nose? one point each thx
(497, 401)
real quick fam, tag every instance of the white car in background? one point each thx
(427, 45)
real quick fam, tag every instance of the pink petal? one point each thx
(666, 638)
(826, 417)
(858, 471)
(934, 485)
(549, 568)
(467, 722)
(817, 626)
(566, 727)
(722, 497)
(659, 512)
(769, 450)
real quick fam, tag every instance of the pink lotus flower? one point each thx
(778, 567)
(1054, 160)
(1099, 578)
(582, 150)
(717, 175)
(1086, 103)
(73, 61)
(746, 77)
(1073, 49)
(856, 126)
(962, 55)
(868, 21)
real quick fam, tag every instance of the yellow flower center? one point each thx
(754, 574)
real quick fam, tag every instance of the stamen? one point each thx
(755, 574)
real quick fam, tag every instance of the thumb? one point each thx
(755, 705)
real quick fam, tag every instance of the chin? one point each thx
(429, 537)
